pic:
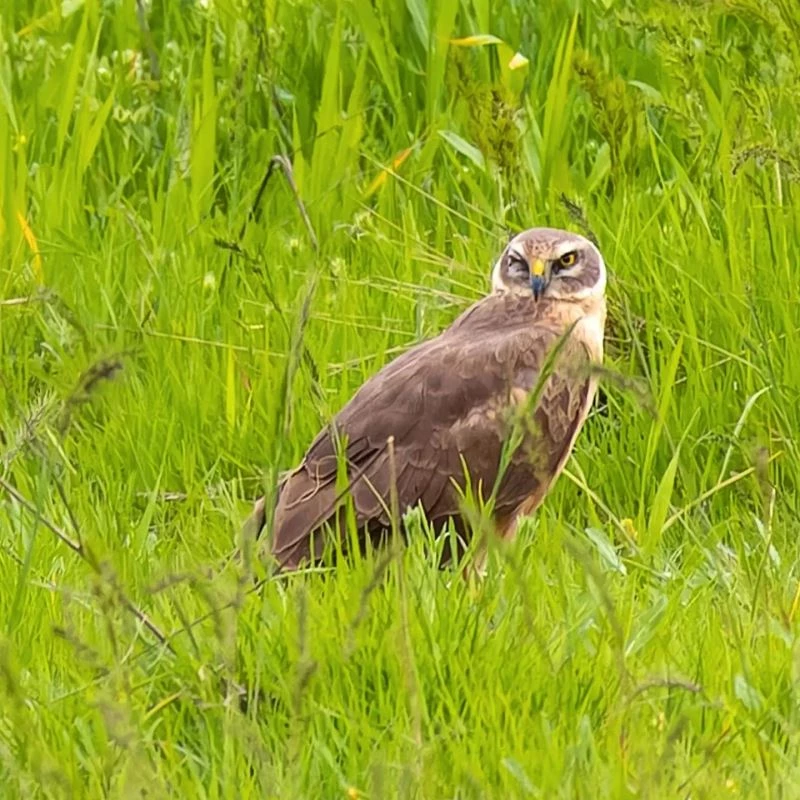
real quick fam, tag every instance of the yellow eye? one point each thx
(567, 260)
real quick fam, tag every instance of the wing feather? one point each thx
(445, 403)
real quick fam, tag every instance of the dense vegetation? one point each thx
(173, 333)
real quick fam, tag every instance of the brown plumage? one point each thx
(450, 403)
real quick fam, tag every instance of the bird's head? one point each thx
(550, 263)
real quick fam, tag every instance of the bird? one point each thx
(518, 366)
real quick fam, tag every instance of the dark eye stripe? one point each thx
(516, 265)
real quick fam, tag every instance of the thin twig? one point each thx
(73, 545)
(77, 547)
(285, 164)
(235, 248)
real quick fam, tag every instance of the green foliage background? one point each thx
(169, 340)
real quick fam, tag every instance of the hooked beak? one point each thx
(538, 279)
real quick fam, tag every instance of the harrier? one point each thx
(439, 418)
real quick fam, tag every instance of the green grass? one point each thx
(640, 639)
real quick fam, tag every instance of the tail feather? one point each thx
(304, 506)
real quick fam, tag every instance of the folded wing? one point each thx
(446, 404)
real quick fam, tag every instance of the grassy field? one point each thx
(171, 337)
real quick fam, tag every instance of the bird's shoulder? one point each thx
(484, 346)
(463, 372)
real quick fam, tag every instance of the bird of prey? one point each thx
(439, 418)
